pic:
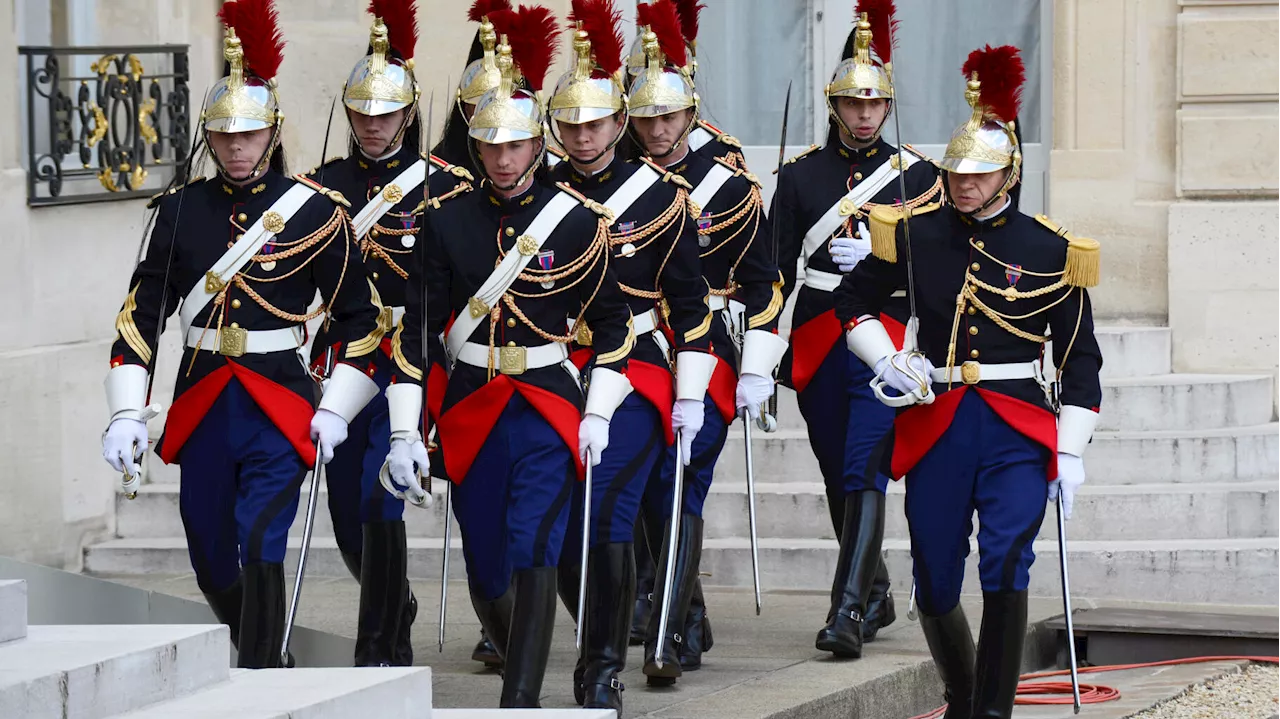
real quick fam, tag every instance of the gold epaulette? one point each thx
(667, 175)
(561, 154)
(459, 189)
(812, 149)
(884, 228)
(918, 154)
(587, 202)
(155, 199)
(326, 163)
(321, 189)
(455, 170)
(721, 135)
(1084, 256)
(738, 171)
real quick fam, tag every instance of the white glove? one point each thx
(1070, 478)
(893, 370)
(687, 416)
(328, 430)
(407, 462)
(847, 252)
(753, 391)
(123, 445)
(593, 438)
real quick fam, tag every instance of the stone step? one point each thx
(394, 692)
(1210, 571)
(1185, 401)
(1211, 455)
(1134, 351)
(524, 713)
(96, 671)
(1101, 512)
(13, 610)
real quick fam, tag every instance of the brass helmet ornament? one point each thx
(689, 12)
(665, 86)
(528, 39)
(383, 82)
(245, 100)
(592, 90)
(481, 74)
(867, 71)
(988, 140)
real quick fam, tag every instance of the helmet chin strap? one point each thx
(626, 118)
(258, 168)
(395, 142)
(524, 177)
(831, 110)
(1010, 180)
(693, 122)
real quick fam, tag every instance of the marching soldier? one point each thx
(725, 208)
(504, 266)
(382, 177)
(654, 253)
(989, 430)
(245, 252)
(824, 196)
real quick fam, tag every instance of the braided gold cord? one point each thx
(372, 247)
(1011, 267)
(1010, 292)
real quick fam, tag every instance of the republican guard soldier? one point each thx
(504, 266)
(989, 430)
(382, 177)
(245, 252)
(824, 196)
(654, 254)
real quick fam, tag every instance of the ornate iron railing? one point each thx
(119, 131)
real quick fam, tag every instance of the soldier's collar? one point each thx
(249, 190)
(854, 154)
(390, 161)
(999, 219)
(510, 205)
(580, 180)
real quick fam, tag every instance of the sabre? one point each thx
(307, 527)
(1066, 605)
(677, 496)
(129, 482)
(751, 508)
(582, 571)
(768, 420)
(444, 570)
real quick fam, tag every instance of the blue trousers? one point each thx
(239, 490)
(355, 496)
(636, 442)
(697, 475)
(848, 426)
(980, 463)
(513, 505)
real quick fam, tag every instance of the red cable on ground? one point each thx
(1046, 693)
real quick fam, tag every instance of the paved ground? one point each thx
(761, 667)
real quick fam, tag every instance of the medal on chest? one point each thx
(546, 260)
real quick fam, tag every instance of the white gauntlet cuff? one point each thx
(404, 410)
(347, 392)
(761, 353)
(1075, 429)
(870, 341)
(693, 374)
(605, 392)
(126, 386)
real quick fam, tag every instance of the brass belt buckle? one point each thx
(232, 341)
(970, 372)
(512, 360)
(386, 320)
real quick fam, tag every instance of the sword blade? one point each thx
(1066, 605)
(582, 569)
(324, 147)
(902, 188)
(751, 508)
(307, 527)
(673, 538)
(444, 565)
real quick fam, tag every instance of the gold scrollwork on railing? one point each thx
(145, 128)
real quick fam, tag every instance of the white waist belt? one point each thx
(513, 360)
(235, 341)
(645, 323)
(397, 313)
(819, 280)
(975, 372)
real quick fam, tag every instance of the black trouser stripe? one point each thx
(543, 537)
(269, 513)
(619, 483)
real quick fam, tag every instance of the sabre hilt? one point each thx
(129, 483)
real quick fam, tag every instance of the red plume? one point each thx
(480, 8)
(662, 18)
(401, 19)
(1002, 75)
(689, 10)
(534, 36)
(884, 26)
(600, 21)
(257, 24)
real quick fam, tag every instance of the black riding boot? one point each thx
(645, 572)
(861, 536)
(261, 616)
(384, 591)
(529, 644)
(227, 605)
(697, 631)
(484, 651)
(688, 551)
(612, 579)
(568, 577)
(951, 644)
(880, 611)
(495, 619)
(1004, 627)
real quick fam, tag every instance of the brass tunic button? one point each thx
(235, 325)
(973, 330)
(972, 310)
(377, 188)
(375, 277)
(511, 231)
(857, 175)
(235, 304)
(511, 322)
(239, 236)
(242, 217)
(975, 267)
(979, 244)
(511, 344)
(374, 232)
(973, 354)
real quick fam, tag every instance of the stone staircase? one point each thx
(1180, 506)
